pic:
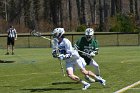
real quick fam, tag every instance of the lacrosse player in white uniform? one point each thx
(71, 57)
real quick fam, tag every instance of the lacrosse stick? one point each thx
(62, 69)
(38, 34)
(54, 43)
(76, 48)
(60, 60)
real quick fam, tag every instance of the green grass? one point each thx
(35, 71)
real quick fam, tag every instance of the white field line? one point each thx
(128, 87)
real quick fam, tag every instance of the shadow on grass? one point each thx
(45, 89)
(8, 86)
(6, 61)
(51, 89)
(57, 83)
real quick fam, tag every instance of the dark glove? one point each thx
(54, 54)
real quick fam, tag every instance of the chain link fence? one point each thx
(104, 39)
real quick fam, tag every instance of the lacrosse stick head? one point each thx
(35, 33)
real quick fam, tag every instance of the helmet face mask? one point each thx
(55, 35)
(89, 37)
(89, 33)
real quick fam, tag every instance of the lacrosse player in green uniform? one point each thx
(89, 45)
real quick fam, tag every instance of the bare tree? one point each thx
(65, 21)
(64, 13)
(73, 16)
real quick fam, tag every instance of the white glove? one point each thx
(95, 52)
(67, 56)
(61, 56)
(91, 55)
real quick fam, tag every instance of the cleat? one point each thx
(89, 79)
(86, 86)
(102, 81)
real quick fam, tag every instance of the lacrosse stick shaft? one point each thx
(60, 60)
(83, 52)
(76, 48)
(46, 38)
(62, 69)
(38, 34)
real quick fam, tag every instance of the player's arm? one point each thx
(95, 50)
(96, 47)
(15, 34)
(55, 50)
(68, 51)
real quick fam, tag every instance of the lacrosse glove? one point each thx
(63, 57)
(54, 54)
(91, 55)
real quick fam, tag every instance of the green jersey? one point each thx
(87, 46)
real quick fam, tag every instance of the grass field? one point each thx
(35, 71)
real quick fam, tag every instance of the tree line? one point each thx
(73, 15)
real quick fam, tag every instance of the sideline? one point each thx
(128, 87)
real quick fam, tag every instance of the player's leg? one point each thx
(70, 73)
(87, 77)
(8, 45)
(13, 43)
(81, 64)
(90, 73)
(95, 66)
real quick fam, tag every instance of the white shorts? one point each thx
(79, 62)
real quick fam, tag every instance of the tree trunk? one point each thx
(73, 15)
(65, 14)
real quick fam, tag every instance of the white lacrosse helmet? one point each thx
(89, 32)
(58, 32)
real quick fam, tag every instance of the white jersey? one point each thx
(65, 47)
(11, 32)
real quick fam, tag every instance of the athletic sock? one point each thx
(97, 77)
(83, 82)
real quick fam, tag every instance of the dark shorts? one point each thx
(87, 60)
(10, 41)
